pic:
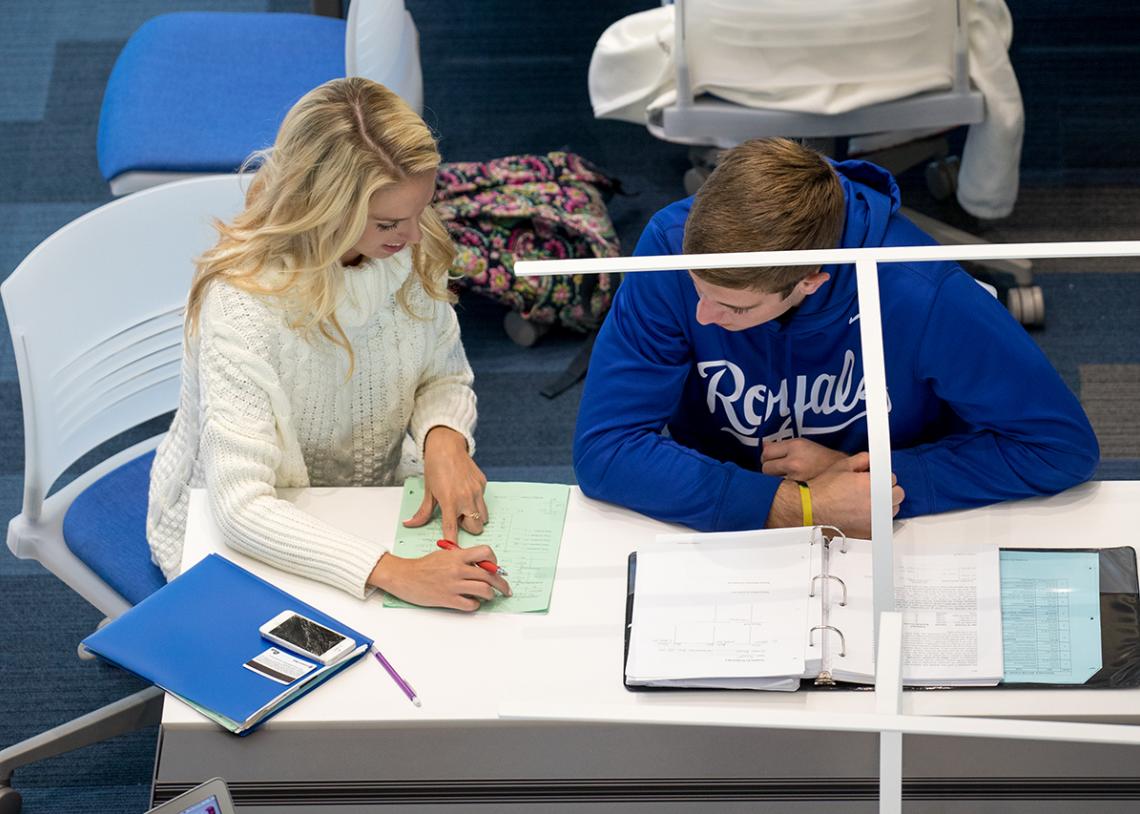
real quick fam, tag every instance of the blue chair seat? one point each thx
(105, 527)
(200, 91)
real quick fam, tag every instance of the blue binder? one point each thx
(192, 636)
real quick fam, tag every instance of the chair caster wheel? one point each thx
(1027, 305)
(521, 331)
(694, 179)
(85, 654)
(704, 161)
(942, 177)
(10, 802)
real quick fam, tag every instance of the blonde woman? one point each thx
(322, 350)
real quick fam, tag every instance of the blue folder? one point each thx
(193, 636)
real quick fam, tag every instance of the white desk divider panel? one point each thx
(866, 262)
(887, 719)
(888, 701)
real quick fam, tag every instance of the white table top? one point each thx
(463, 666)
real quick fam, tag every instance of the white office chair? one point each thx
(96, 314)
(816, 72)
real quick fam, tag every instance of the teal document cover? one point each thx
(194, 636)
(1050, 616)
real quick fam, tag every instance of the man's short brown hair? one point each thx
(766, 195)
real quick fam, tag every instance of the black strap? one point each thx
(574, 372)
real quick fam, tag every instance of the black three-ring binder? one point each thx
(1119, 623)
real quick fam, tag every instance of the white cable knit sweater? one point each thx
(263, 408)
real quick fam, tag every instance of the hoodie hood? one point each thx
(872, 198)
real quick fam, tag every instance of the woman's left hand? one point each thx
(454, 483)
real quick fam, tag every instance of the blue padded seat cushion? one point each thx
(200, 91)
(105, 527)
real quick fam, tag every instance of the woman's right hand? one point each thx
(443, 579)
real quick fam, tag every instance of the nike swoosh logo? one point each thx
(852, 320)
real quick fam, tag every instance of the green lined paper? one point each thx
(525, 532)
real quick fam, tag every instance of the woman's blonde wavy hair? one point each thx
(307, 206)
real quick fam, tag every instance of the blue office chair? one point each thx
(197, 92)
(96, 314)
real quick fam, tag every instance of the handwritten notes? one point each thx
(525, 533)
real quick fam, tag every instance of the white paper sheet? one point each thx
(721, 610)
(951, 605)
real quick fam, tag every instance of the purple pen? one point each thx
(403, 685)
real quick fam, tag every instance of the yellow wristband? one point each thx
(805, 501)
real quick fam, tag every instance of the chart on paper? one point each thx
(1050, 607)
(728, 611)
(737, 631)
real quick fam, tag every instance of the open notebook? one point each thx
(765, 609)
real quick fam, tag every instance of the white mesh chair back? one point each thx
(96, 312)
(381, 43)
(823, 56)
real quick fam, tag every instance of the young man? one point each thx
(711, 393)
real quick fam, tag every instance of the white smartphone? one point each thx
(305, 637)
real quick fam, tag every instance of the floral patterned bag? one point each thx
(531, 207)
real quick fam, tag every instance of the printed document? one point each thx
(950, 602)
(1050, 609)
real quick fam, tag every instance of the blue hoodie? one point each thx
(977, 413)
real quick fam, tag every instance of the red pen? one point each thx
(486, 565)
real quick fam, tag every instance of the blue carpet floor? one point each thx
(502, 78)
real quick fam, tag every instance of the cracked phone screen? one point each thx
(307, 635)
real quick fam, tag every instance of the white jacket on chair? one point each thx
(632, 75)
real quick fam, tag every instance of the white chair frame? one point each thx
(96, 313)
(718, 123)
(690, 120)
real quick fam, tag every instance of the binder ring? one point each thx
(842, 584)
(842, 537)
(837, 631)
